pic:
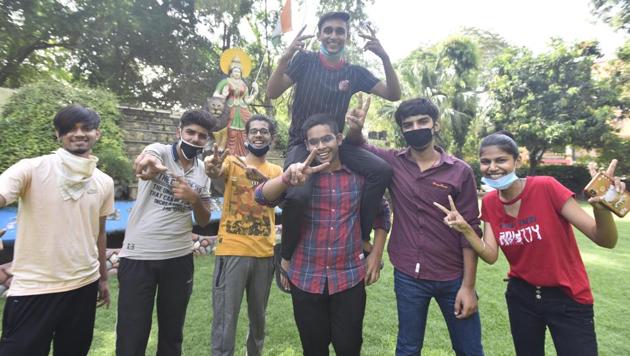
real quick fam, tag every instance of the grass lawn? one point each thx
(607, 270)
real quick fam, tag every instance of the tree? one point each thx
(551, 100)
(446, 73)
(614, 12)
(144, 50)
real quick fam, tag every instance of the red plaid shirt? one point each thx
(330, 251)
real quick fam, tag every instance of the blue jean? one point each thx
(413, 297)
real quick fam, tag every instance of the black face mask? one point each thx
(258, 152)
(189, 150)
(418, 139)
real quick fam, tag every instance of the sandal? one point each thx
(279, 271)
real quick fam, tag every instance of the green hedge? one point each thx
(26, 128)
(574, 178)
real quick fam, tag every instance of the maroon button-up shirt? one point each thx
(421, 245)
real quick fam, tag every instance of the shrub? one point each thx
(26, 128)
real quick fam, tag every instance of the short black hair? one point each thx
(319, 119)
(271, 123)
(504, 140)
(336, 15)
(198, 117)
(416, 106)
(66, 119)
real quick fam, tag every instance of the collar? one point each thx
(444, 157)
(328, 65)
(174, 153)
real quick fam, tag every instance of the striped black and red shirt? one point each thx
(319, 89)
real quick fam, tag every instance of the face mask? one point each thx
(333, 57)
(502, 183)
(189, 150)
(258, 152)
(418, 139)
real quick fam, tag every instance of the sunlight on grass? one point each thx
(605, 268)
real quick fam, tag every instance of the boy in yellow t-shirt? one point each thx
(246, 237)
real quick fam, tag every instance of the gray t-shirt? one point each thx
(159, 225)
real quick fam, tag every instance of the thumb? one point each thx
(160, 167)
(458, 305)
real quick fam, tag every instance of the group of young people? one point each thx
(331, 190)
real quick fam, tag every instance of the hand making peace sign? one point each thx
(373, 44)
(356, 116)
(453, 218)
(296, 45)
(212, 163)
(298, 173)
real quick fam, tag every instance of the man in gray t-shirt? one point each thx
(157, 250)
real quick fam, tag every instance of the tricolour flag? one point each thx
(284, 20)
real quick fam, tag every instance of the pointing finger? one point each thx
(310, 158)
(611, 168)
(240, 160)
(301, 31)
(366, 105)
(450, 200)
(441, 207)
(316, 169)
(215, 148)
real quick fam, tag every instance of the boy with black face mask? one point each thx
(156, 255)
(431, 260)
(247, 234)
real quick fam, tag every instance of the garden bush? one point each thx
(26, 128)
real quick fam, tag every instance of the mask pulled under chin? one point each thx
(74, 174)
(502, 183)
(418, 139)
(189, 150)
(258, 152)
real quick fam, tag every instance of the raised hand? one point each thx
(373, 44)
(355, 118)
(147, 166)
(296, 45)
(619, 186)
(298, 173)
(182, 191)
(212, 163)
(453, 218)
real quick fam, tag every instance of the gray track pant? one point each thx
(233, 275)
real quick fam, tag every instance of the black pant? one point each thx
(30, 323)
(139, 280)
(532, 309)
(322, 319)
(376, 171)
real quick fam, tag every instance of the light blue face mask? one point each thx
(502, 183)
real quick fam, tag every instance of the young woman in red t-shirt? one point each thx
(530, 220)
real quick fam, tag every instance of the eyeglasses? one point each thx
(324, 139)
(259, 131)
(339, 31)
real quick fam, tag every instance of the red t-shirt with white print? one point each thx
(539, 243)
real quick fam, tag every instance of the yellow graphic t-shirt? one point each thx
(247, 228)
